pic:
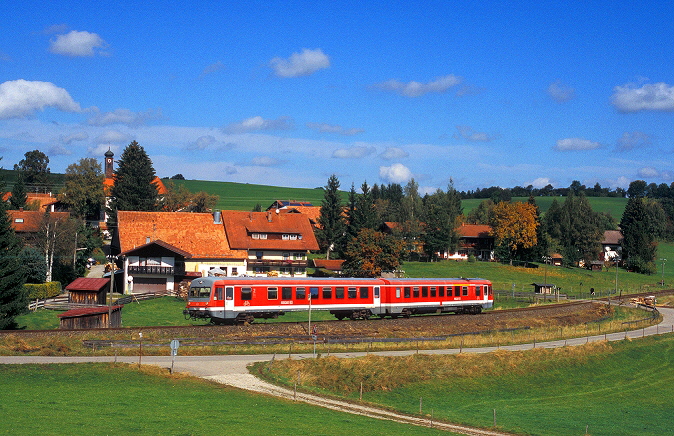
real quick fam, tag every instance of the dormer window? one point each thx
(291, 237)
(18, 220)
(259, 236)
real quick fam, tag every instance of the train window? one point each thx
(313, 293)
(272, 293)
(218, 293)
(407, 291)
(229, 293)
(457, 291)
(286, 293)
(339, 292)
(327, 292)
(465, 290)
(376, 292)
(200, 292)
(397, 292)
(424, 291)
(416, 292)
(441, 291)
(246, 293)
(353, 293)
(478, 290)
(364, 292)
(300, 293)
(434, 291)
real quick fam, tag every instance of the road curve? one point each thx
(232, 370)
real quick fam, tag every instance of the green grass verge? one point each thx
(620, 388)
(119, 399)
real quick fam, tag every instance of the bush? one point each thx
(43, 290)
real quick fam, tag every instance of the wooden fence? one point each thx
(61, 302)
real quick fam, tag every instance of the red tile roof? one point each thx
(313, 212)
(240, 225)
(329, 264)
(612, 237)
(195, 233)
(108, 182)
(474, 231)
(87, 284)
(28, 221)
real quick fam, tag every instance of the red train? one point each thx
(241, 299)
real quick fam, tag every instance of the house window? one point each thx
(18, 220)
(261, 269)
(299, 256)
(299, 270)
(259, 254)
(289, 237)
(285, 237)
(259, 236)
(234, 271)
(284, 270)
(286, 256)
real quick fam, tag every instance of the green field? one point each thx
(619, 388)
(611, 205)
(243, 196)
(103, 399)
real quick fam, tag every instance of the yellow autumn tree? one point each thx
(514, 226)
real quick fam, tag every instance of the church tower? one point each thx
(108, 164)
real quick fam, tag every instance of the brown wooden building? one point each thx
(90, 318)
(88, 291)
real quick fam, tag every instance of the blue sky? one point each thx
(288, 93)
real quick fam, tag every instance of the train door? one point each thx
(229, 301)
(376, 299)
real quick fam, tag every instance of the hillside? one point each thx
(612, 205)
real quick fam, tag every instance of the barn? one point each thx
(91, 318)
(85, 290)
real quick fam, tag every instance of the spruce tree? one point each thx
(639, 244)
(13, 299)
(19, 194)
(134, 187)
(332, 226)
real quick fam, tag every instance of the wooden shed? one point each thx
(88, 291)
(90, 318)
(543, 288)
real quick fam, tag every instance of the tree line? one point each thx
(384, 225)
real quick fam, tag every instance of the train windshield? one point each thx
(200, 292)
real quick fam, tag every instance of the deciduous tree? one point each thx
(514, 226)
(370, 253)
(35, 170)
(83, 188)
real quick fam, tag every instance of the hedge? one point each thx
(43, 290)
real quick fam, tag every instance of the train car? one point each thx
(242, 299)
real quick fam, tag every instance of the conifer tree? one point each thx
(134, 187)
(13, 299)
(332, 226)
(19, 194)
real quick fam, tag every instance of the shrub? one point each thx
(43, 290)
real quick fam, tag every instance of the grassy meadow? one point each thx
(103, 399)
(611, 205)
(618, 388)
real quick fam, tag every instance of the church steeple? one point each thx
(108, 164)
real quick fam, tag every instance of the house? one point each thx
(303, 207)
(160, 249)
(474, 240)
(91, 318)
(28, 223)
(556, 259)
(276, 243)
(611, 246)
(544, 288)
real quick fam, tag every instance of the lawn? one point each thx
(621, 388)
(611, 205)
(119, 399)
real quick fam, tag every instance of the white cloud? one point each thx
(202, 143)
(19, 98)
(417, 89)
(541, 182)
(264, 161)
(258, 123)
(394, 153)
(467, 133)
(329, 128)
(125, 116)
(560, 92)
(213, 68)
(632, 140)
(357, 152)
(648, 172)
(77, 44)
(650, 97)
(576, 144)
(69, 139)
(57, 150)
(113, 137)
(300, 64)
(396, 173)
(100, 150)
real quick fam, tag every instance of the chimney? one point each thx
(269, 215)
(147, 239)
(217, 217)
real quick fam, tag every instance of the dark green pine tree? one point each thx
(134, 187)
(332, 226)
(19, 193)
(639, 244)
(13, 299)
